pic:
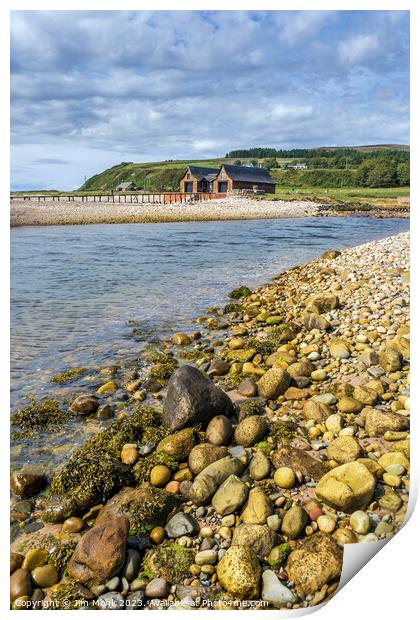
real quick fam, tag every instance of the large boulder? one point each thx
(100, 553)
(377, 422)
(208, 481)
(348, 487)
(239, 572)
(316, 561)
(260, 538)
(193, 399)
(145, 507)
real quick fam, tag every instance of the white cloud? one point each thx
(358, 48)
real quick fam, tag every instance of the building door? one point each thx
(188, 186)
(223, 187)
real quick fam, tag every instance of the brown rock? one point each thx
(344, 450)
(203, 455)
(377, 422)
(20, 584)
(100, 553)
(248, 388)
(316, 561)
(313, 410)
(27, 482)
(299, 460)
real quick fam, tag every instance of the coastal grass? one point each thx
(337, 195)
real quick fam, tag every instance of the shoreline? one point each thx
(23, 213)
(318, 360)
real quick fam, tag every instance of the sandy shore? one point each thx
(26, 213)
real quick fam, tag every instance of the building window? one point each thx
(189, 187)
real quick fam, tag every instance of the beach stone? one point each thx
(218, 368)
(257, 508)
(230, 495)
(182, 524)
(315, 561)
(360, 522)
(377, 422)
(348, 487)
(45, 576)
(299, 460)
(319, 375)
(248, 388)
(274, 592)
(180, 339)
(274, 522)
(326, 523)
(344, 536)
(35, 558)
(193, 399)
(320, 303)
(390, 360)
(390, 500)
(314, 410)
(144, 503)
(311, 320)
(157, 588)
(110, 600)
(365, 395)
(157, 535)
(209, 479)
(219, 431)
(132, 564)
(129, 454)
(344, 450)
(327, 398)
(104, 412)
(347, 404)
(203, 455)
(206, 557)
(339, 350)
(107, 388)
(178, 445)
(251, 430)
(394, 458)
(274, 383)
(300, 369)
(334, 423)
(330, 254)
(260, 538)
(369, 358)
(16, 561)
(160, 475)
(259, 467)
(280, 359)
(284, 477)
(20, 584)
(294, 522)
(86, 404)
(239, 573)
(28, 482)
(100, 553)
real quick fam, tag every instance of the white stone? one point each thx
(274, 592)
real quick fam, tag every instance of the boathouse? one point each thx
(126, 187)
(232, 178)
(197, 179)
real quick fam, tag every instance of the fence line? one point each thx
(152, 198)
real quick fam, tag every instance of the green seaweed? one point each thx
(278, 556)
(68, 594)
(241, 291)
(68, 375)
(152, 513)
(61, 555)
(162, 371)
(284, 429)
(232, 307)
(46, 415)
(170, 561)
(144, 466)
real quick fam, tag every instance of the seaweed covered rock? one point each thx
(95, 471)
(239, 572)
(317, 560)
(193, 399)
(145, 507)
(168, 561)
(100, 553)
(179, 445)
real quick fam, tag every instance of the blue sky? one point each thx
(93, 88)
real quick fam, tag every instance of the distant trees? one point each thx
(403, 173)
(384, 172)
(270, 163)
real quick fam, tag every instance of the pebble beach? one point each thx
(32, 213)
(232, 471)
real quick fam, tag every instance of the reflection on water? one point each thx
(75, 288)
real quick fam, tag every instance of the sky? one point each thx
(93, 88)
